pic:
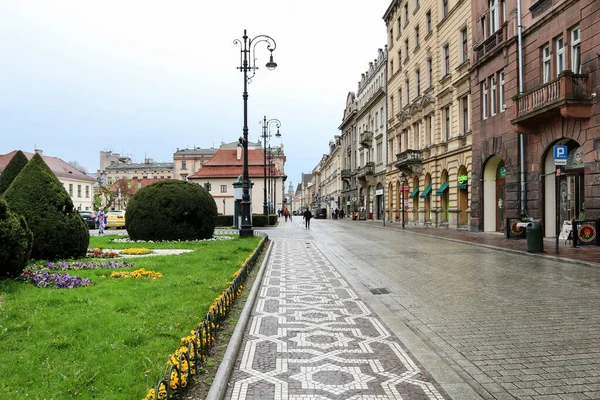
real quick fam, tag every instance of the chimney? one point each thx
(239, 152)
(39, 151)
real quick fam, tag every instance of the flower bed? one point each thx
(139, 273)
(194, 348)
(136, 251)
(99, 253)
(214, 238)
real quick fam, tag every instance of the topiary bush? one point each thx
(58, 230)
(14, 166)
(171, 210)
(15, 242)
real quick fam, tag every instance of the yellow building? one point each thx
(429, 111)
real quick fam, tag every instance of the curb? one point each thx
(221, 381)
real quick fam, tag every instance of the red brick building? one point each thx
(520, 114)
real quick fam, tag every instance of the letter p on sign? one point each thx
(560, 155)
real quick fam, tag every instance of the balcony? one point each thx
(566, 95)
(368, 169)
(347, 173)
(492, 43)
(366, 139)
(409, 161)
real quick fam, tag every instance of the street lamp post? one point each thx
(402, 180)
(266, 136)
(248, 52)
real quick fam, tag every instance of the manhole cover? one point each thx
(380, 291)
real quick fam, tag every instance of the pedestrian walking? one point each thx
(100, 219)
(286, 214)
(342, 213)
(307, 217)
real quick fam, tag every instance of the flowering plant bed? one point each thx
(136, 251)
(113, 338)
(139, 273)
(99, 253)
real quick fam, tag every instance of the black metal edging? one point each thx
(170, 386)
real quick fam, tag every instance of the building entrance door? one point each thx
(500, 197)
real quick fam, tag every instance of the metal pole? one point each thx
(246, 228)
(265, 210)
(402, 204)
(557, 196)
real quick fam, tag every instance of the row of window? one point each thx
(87, 191)
(426, 139)
(208, 187)
(444, 8)
(559, 48)
(110, 180)
(492, 95)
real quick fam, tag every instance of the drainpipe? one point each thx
(387, 150)
(521, 136)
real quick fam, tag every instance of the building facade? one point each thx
(372, 137)
(187, 162)
(429, 111)
(79, 185)
(520, 114)
(352, 197)
(225, 168)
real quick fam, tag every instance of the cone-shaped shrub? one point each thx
(15, 242)
(171, 210)
(58, 231)
(14, 166)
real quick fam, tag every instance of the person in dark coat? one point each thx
(307, 216)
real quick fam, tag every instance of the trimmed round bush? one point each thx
(58, 230)
(14, 166)
(15, 242)
(171, 210)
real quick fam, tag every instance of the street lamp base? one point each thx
(245, 232)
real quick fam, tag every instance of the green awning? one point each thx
(462, 186)
(413, 193)
(442, 189)
(425, 192)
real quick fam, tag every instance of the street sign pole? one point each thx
(557, 195)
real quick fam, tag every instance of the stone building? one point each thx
(187, 162)
(349, 158)
(428, 119)
(79, 185)
(372, 138)
(520, 114)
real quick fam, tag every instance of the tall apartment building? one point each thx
(520, 114)
(372, 140)
(429, 111)
(350, 192)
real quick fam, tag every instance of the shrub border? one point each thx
(180, 365)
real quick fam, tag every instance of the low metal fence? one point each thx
(194, 349)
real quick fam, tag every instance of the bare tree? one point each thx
(77, 166)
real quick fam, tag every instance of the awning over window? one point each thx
(442, 189)
(425, 192)
(462, 186)
(413, 193)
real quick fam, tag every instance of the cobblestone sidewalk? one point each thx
(311, 337)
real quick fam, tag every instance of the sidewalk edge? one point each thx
(219, 385)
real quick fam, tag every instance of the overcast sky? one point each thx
(144, 78)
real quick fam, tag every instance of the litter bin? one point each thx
(535, 241)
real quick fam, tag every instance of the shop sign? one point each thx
(463, 179)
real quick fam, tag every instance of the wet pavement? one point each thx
(352, 309)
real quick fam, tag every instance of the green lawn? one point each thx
(110, 340)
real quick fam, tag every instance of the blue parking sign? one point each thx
(560, 152)
(560, 155)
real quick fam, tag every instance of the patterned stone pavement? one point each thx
(311, 337)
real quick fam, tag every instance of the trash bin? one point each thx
(535, 241)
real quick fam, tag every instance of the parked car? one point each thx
(320, 213)
(89, 217)
(115, 219)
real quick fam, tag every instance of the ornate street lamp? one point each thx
(248, 51)
(266, 136)
(402, 180)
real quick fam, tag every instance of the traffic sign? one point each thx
(405, 189)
